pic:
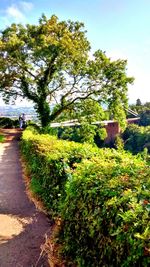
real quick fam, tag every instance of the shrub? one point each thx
(33, 127)
(101, 195)
(106, 214)
(119, 144)
(136, 138)
(50, 162)
(145, 118)
(96, 134)
(8, 123)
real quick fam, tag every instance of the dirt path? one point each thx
(22, 226)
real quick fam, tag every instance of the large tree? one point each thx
(49, 64)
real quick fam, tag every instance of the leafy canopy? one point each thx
(49, 64)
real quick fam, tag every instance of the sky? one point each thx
(119, 27)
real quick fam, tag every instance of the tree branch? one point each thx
(64, 107)
(26, 91)
(48, 73)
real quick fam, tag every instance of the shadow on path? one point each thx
(22, 226)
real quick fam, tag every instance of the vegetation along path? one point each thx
(22, 226)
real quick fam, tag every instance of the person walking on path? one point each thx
(22, 121)
(22, 226)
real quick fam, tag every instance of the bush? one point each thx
(96, 134)
(8, 123)
(106, 214)
(33, 127)
(101, 195)
(145, 118)
(136, 138)
(50, 162)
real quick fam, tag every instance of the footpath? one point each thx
(22, 227)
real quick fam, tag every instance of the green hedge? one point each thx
(8, 123)
(106, 214)
(101, 195)
(51, 162)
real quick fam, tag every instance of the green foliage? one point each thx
(88, 110)
(136, 138)
(49, 130)
(79, 134)
(106, 213)
(138, 102)
(87, 113)
(49, 63)
(49, 161)
(119, 144)
(1, 138)
(8, 123)
(33, 127)
(145, 118)
(101, 195)
(140, 107)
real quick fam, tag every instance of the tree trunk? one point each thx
(43, 110)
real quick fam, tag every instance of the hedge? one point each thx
(101, 195)
(8, 123)
(106, 214)
(51, 161)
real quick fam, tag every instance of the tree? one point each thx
(87, 113)
(138, 102)
(139, 107)
(145, 118)
(49, 64)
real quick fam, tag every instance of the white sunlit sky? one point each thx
(119, 27)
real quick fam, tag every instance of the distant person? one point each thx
(24, 121)
(20, 121)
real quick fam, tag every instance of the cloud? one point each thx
(26, 6)
(14, 12)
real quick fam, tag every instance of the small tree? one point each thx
(48, 63)
(138, 102)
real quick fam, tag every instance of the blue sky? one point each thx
(119, 27)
